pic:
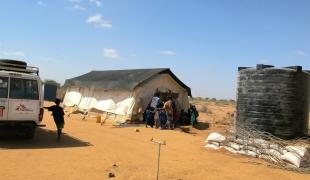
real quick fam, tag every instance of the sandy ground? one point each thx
(89, 151)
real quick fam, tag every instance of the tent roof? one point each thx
(120, 79)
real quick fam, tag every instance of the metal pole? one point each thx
(159, 145)
(158, 159)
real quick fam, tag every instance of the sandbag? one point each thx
(299, 150)
(230, 149)
(259, 142)
(272, 152)
(235, 146)
(215, 137)
(247, 153)
(242, 152)
(212, 146)
(291, 158)
(251, 153)
(278, 148)
(215, 143)
(268, 158)
(241, 141)
(250, 148)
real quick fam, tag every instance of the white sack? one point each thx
(251, 148)
(291, 158)
(266, 157)
(259, 142)
(247, 153)
(272, 152)
(251, 153)
(300, 150)
(278, 148)
(215, 143)
(212, 146)
(241, 141)
(242, 152)
(230, 149)
(234, 146)
(216, 137)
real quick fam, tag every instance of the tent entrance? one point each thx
(165, 95)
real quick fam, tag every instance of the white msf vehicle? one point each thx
(21, 97)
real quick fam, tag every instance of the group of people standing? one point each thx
(164, 115)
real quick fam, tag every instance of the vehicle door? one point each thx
(4, 102)
(24, 100)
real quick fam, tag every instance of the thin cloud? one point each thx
(40, 3)
(168, 53)
(75, 1)
(264, 61)
(19, 53)
(44, 58)
(110, 53)
(79, 7)
(14, 54)
(98, 21)
(97, 2)
(133, 55)
(49, 59)
(300, 53)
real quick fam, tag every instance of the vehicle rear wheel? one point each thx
(30, 133)
(26, 132)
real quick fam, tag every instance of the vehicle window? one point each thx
(24, 89)
(3, 87)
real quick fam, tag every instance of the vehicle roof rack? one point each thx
(19, 68)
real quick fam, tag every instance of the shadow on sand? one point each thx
(43, 139)
(198, 126)
(202, 125)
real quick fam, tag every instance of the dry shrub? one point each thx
(201, 108)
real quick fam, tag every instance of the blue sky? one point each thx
(202, 41)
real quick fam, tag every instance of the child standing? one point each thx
(58, 115)
(149, 117)
(193, 115)
(168, 106)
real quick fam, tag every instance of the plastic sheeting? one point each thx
(108, 101)
(72, 97)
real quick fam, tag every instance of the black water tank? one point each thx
(50, 90)
(275, 100)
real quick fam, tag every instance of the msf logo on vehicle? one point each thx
(22, 107)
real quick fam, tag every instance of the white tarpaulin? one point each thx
(87, 99)
(72, 97)
(105, 105)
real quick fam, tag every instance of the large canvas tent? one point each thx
(125, 93)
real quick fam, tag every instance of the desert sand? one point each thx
(89, 150)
